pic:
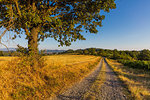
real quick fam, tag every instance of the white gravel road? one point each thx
(111, 89)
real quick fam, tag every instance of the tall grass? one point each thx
(3, 60)
(20, 81)
(137, 80)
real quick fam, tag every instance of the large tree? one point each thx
(62, 20)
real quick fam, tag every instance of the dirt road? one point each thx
(111, 89)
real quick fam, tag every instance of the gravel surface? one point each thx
(110, 90)
(79, 89)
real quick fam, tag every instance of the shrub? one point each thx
(136, 64)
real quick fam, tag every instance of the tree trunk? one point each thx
(33, 46)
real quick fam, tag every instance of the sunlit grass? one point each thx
(67, 69)
(137, 80)
(3, 60)
(63, 60)
(60, 72)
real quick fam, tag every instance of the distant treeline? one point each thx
(18, 53)
(24, 51)
(134, 59)
(5, 53)
(113, 54)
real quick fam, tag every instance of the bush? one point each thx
(136, 64)
(1, 53)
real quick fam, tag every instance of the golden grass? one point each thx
(137, 80)
(67, 60)
(95, 88)
(21, 81)
(3, 60)
(69, 69)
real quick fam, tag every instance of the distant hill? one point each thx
(48, 51)
(5, 49)
(55, 51)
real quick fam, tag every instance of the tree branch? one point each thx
(17, 6)
(4, 46)
(27, 32)
(3, 33)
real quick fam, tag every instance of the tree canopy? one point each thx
(62, 20)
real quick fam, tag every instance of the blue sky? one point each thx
(125, 28)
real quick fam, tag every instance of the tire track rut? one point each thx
(112, 89)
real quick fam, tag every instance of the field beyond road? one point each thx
(20, 81)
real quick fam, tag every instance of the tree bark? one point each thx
(33, 46)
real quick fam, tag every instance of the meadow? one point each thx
(3, 60)
(136, 80)
(21, 81)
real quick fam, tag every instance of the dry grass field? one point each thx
(137, 80)
(3, 60)
(21, 81)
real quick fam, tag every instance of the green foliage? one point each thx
(101, 52)
(133, 54)
(85, 52)
(116, 54)
(79, 51)
(113, 54)
(133, 59)
(92, 51)
(70, 51)
(144, 55)
(58, 19)
(1, 53)
(141, 60)
(136, 64)
(21, 50)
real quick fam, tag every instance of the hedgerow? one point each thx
(136, 64)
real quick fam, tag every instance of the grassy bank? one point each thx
(137, 80)
(21, 81)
